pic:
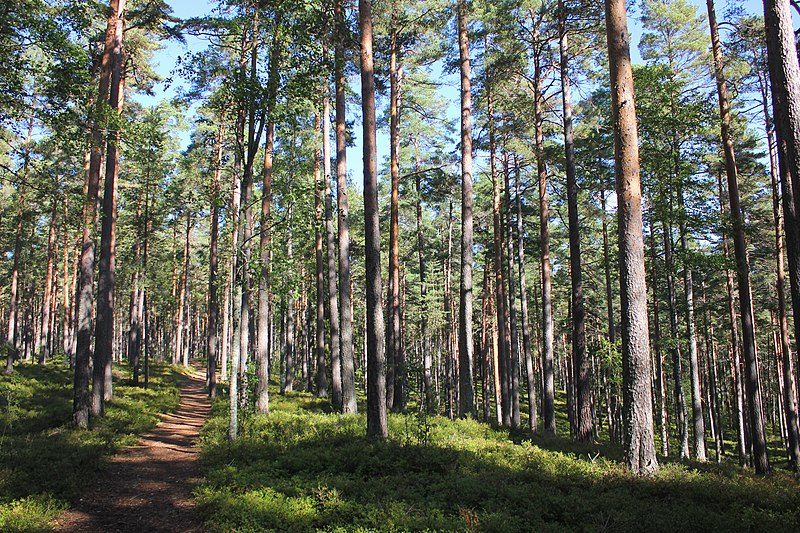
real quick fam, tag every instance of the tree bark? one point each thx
(264, 288)
(345, 301)
(213, 262)
(514, 359)
(639, 446)
(45, 331)
(465, 343)
(582, 378)
(548, 391)
(376, 357)
(499, 273)
(427, 357)
(85, 301)
(785, 77)
(319, 335)
(677, 369)
(698, 424)
(333, 298)
(395, 367)
(104, 328)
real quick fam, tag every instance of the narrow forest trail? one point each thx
(147, 487)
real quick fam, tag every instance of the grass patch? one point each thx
(44, 463)
(300, 469)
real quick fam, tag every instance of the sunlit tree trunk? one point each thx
(582, 374)
(465, 344)
(785, 81)
(376, 357)
(264, 296)
(395, 367)
(85, 300)
(333, 298)
(345, 301)
(639, 445)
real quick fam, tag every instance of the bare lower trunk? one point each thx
(84, 300)
(677, 368)
(514, 359)
(530, 373)
(548, 391)
(333, 299)
(394, 345)
(465, 344)
(319, 334)
(45, 332)
(376, 358)
(345, 301)
(582, 375)
(785, 77)
(640, 455)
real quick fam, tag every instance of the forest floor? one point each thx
(302, 468)
(148, 486)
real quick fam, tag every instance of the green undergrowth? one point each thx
(44, 463)
(302, 469)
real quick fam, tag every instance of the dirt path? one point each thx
(147, 487)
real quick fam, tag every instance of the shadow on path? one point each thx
(148, 486)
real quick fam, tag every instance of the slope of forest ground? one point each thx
(301, 468)
(45, 464)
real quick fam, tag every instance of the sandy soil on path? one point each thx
(147, 487)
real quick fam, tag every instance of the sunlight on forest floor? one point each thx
(302, 469)
(44, 463)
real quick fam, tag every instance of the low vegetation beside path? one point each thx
(303, 469)
(44, 463)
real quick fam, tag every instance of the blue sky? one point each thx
(167, 57)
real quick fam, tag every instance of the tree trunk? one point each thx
(639, 446)
(582, 374)
(345, 302)
(376, 358)
(548, 391)
(213, 262)
(465, 343)
(104, 328)
(264, 296)
(523, 296)
(785, 77)
(427, 359)
(333, 298)
(84, 301)
(677, 369)
(698, 424)
(394, 345)
(319, 335)
(514, 359)
(500, 283)
(660, 378)
(45, 331)
(760, 459)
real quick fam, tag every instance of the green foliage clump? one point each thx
(300, 469)
(44, 463)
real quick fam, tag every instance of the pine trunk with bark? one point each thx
(85, 301)
(639, 442)
(376, 358)
(785, 81)
(582, 373)
(345, 301)
(465, 343)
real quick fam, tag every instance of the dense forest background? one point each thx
(224, 224)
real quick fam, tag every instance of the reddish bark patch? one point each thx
(147, 487)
